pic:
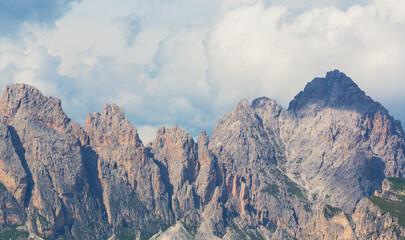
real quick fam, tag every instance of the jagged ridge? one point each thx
(266, 172)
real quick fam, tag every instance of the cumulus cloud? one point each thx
(133, 28)
(39, 68)
(147, 133)
(14, 15)
(189, 62)
(261, 50)
(36, 67)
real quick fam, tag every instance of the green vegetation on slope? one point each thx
(329, 211)
(2, 189)
(293, 188)
(398, 184)
(14, 232)
(271, 189)
(192, 229)
(395, 208)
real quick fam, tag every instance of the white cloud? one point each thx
(258, 50)
(188, 62)
(36, 67)
(147, 133)
(133, 28)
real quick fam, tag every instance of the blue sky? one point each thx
(188, 62)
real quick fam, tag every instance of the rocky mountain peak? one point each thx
(336, 74)
(174, 145)
(174, 141)
(268, 110)
(25, 98)
(263, 101)
(335, 90)
(22, 101)
(243, 104)
(111, 127)
(113, 111)
(203, 139)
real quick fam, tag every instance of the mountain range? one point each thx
(331, 166)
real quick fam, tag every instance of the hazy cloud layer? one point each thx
(189, 62)
(16, 14)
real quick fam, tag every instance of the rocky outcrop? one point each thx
(124, 177)
(48, 145)
(11, 213)
(12, 173)
(256, 186)
(208, 171)
(265, 173)
(342, 138)
(378, 217)
(176, 152)
(22, 100)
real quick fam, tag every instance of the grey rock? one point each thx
(265, 173)
(11, 213)
(127, 180)
(342, 138)
(368, 221)
(12, 173)
(49, 148)
(176, 152)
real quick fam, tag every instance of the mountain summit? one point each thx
(336, 90)
(331, 166)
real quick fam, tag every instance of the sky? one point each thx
(189, 62)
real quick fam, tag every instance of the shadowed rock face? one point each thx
(12, 174)
(335, 91)
(265, 173)
(48, 146)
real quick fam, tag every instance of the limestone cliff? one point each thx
(331, 166)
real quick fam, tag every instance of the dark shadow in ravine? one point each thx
(165, 176)
(90, 161)
(19, 149)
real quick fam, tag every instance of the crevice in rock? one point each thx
(165, 177)
(90, 162)
(19, 149)
(63, 221)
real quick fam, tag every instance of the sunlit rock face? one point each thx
(328, 167)
(342, 138)
(55, 195)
